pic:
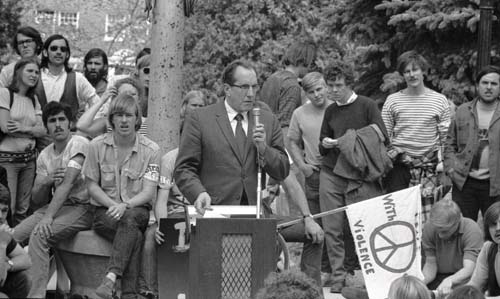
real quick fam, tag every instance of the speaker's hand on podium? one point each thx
(159, 236)
(202, 203)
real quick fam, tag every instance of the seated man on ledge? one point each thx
(121, 171)
(14, 261)
(58, 176)
(221, 148)
(451, 245)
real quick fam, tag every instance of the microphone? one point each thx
(256, 115)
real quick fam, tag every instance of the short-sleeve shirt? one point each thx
(166, 176)
(49, 160)
(23, 111)
(465, 244)
(306, 126)
(140, 167)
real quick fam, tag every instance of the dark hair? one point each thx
(53, 108)
(337, 71)
(46, 45)
(490, 219)
(412, 57)
(228, 73)
(19, 67)
(29, 32)
(96, 52)
(143, 52)
(300, 53)
(487, 70)
(120, 104)
(465, 292)
(4, 195)
(289, 284)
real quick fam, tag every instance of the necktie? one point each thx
(239, 133)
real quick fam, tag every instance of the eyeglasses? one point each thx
(25, 42)
(55, 48)
(145, 70)
(246, 87)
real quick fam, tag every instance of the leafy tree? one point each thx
(10, 13)
(256, 30)
(444, 31)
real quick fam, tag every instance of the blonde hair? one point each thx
(120, 105)
(408, 287)
(312, 79)
(445, 213)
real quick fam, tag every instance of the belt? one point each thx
(17, 156)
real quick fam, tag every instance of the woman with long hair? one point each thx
(487, 271)
(20, 124)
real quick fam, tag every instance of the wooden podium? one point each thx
(228, 258)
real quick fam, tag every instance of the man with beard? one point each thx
(472, 154)
(95, 67)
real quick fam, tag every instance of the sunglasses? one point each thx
(145, 70)
(55, 48)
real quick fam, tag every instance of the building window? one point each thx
(45, 17)
(114, 23)
(68, 19)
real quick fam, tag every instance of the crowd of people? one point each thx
(74, 155)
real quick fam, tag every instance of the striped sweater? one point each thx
(417, 124)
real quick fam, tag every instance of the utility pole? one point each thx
(165, 91)
(484, 37)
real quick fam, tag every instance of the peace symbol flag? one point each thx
(387, 233)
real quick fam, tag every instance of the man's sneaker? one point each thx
(326, 279)
(354, 293)
(336, 288)
(105, 290)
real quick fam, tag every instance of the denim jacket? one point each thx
(462, 144)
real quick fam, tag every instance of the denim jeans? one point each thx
(333, 195)
(17, 285)
(69, 220)
(474, 196)
(148, 275)
(312, 195)
(20, 177)
(127, 237)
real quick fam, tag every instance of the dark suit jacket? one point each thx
(208, 157)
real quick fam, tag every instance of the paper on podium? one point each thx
(223, 211)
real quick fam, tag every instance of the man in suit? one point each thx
(213, 167)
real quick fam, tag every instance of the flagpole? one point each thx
(319, 215)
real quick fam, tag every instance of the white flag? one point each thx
(387, 233)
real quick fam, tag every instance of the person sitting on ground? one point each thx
(14, 261)
(408, 287)
(61, 192)
(290, 284)
(94, 121)
(466, 292)
(487, 271)
(451, 244)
